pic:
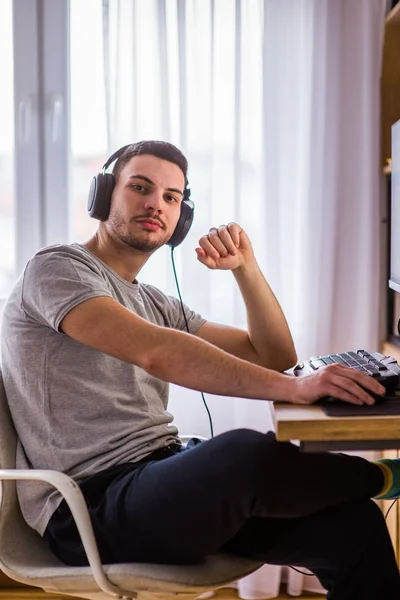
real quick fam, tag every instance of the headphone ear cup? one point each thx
(183, 225)
(99, 199)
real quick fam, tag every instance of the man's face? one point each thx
(146, 202)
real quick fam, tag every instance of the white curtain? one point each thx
(276, 105)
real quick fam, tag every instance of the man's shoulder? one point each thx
(53, 260)
(55, 279)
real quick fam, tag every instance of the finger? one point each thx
(208, 248)
(348, 379)
(366, 381)
(226, 237)
(207, 261)
(235, 231)
(348, 388)
(200, 252)
(216, 242)
(341, 394)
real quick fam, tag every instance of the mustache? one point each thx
(154, 218)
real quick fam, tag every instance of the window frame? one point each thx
(41, 41)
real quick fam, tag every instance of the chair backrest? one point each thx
(8, 435)
(21, 548)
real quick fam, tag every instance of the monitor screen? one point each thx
(394, 281)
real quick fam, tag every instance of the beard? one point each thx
(140, 241)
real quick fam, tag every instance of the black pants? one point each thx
(244, 493)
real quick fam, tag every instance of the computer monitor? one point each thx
(394, 281)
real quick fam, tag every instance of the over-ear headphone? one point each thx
(99, 201)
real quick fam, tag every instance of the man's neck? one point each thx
(124, 260)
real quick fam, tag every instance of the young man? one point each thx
(87, 353)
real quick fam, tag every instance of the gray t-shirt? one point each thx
(76, 409)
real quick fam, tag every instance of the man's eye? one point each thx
(171, 198)
(138, 187)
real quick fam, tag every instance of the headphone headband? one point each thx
(114, 156)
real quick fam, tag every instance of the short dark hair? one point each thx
(160, 149)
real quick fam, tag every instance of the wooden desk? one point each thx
(316, 431)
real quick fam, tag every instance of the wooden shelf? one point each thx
(389, 349)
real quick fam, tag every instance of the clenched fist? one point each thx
(225, 247)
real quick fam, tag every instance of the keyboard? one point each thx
(384, 369)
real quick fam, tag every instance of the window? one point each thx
(88, 118)
(52, 82)
(7, 196)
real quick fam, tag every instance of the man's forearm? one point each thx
(175, 356)
(267, 327)
(194, 363)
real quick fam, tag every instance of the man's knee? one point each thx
(252, 446)
(249, 451)
(244, 443)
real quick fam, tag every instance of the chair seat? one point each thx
(214, 571)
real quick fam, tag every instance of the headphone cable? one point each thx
(187, 328)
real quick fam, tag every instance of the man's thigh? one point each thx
(185, 507)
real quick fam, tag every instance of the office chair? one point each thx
(25, 556)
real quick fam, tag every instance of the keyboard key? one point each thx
(389, 360)
(378, 365)
(316, 364)
(327, 360)
(337, 359)
(362, 361)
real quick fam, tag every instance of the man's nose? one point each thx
(154, 201)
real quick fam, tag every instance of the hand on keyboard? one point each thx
(339, 381)
(383, 369)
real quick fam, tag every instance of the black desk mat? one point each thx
(343, 409)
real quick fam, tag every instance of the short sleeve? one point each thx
(55, 282)
(171, 309)
(193, 319)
